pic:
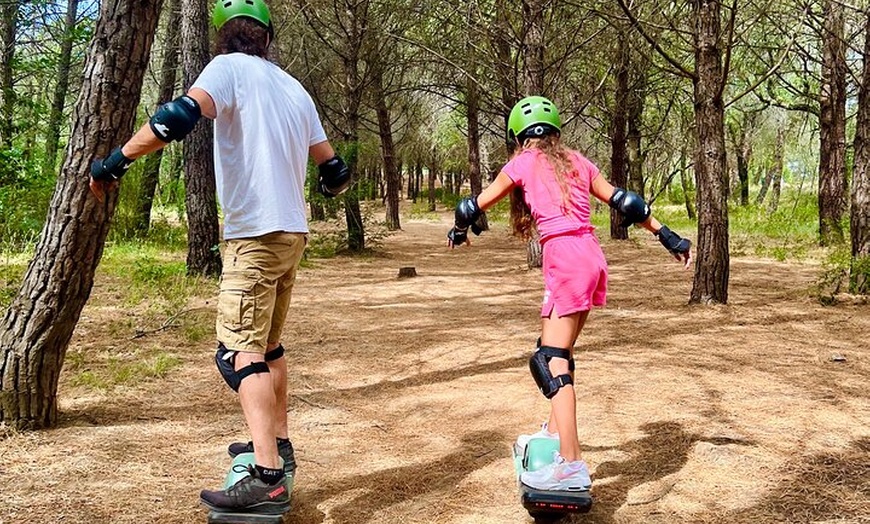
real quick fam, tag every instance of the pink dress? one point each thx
(574, 268)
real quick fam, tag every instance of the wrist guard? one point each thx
(673, 242)
(458, 236)
(113, 167)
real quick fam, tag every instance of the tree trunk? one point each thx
(203, 230)
(637, 95)
(859, 281)
(318, 211)
(433, 173)
(58, 103)
(743, 151)
(618, 136)
(391, 170)
(151, 170)
(8, 31)
(776, 171)
(832, 127)
(355, 33)
(475, 178)
(37, 327)
(765, 185)
(710, 283)
(533, 84)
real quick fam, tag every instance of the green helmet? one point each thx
(530, 111)
(224, 10)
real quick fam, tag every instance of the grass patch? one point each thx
(124, 373)
(154, 275)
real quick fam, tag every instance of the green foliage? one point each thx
(24, 199)
(788, 233)
(843, 273)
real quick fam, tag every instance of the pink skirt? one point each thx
(575, 274)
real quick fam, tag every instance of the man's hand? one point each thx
(457, 236)
(680, 247)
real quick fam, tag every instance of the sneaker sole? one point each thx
(262, 508)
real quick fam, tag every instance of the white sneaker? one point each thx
(561, 475)
(523, 440)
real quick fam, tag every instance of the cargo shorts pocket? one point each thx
(236, 303)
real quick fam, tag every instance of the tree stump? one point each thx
(407, 272)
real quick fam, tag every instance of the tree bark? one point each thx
(60, 89)
(684, 182)
(203, 230)
(8, 31)
(168, 73)
(832, 126)
(710, 283)
(37, 327)
(859, 281)
(618, 133)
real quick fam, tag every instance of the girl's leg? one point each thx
(552, 426)
(561, 332)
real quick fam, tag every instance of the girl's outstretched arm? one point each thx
(680, 248)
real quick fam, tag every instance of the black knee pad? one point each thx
(570, 360)
(275, 354)
(540, 368)
(226, 364)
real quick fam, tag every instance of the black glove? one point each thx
(458, 236)
(111, 168)
(673, 242)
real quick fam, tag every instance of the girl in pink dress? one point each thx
(556, 183)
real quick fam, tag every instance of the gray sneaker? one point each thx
(249, 495)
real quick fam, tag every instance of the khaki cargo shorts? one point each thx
(258, 275)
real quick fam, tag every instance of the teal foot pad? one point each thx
(546, 506)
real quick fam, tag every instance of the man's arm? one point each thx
(173, 120)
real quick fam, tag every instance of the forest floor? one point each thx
(406, 394)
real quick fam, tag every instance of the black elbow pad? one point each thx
(333, 177)
(631, 205)
(467, 212)
(174, 120)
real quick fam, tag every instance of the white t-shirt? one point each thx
(265, 123)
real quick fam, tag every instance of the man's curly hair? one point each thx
(243, 35)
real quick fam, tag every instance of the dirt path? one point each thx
(406, 394)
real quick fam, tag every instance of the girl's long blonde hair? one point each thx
(559, 158)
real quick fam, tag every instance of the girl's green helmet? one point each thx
(531, 111)
(225, 10)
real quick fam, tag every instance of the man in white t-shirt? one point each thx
(266, 128)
